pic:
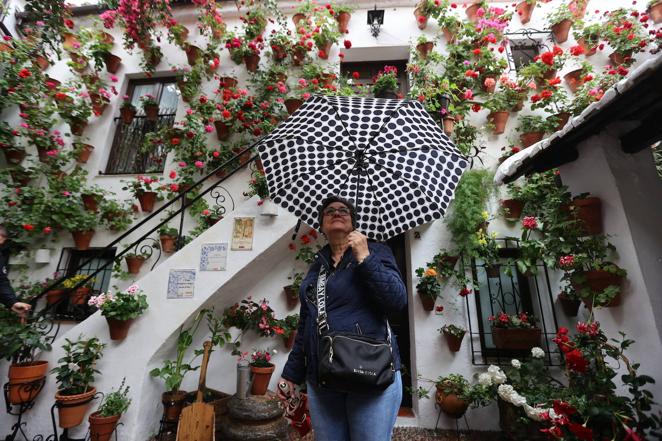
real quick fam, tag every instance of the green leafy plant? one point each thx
(258, 186)
(76, 371)
(454, 330)
(262, 357)
(125, 305)
(522, 320)
(20, 342)
(116, 402)
(561, 13)
(386, 80)
(535, 123)
(428, 284)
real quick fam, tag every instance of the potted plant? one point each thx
(325, 35)
(532, 129)
(292, 291)
(424, 46)
(91, 197)
(258, 187)
(599, 284)
(104, 420)
(514, 332)
(569, 301)
(512, 208)
(449, 24)
(525, 9)
(655, 10)
(146, 189)
(588, 36)
(587, 210)
(428, 287)
(120, 309)
(624, 43)
(385, 83)
(560, 21)
(82, 152)
(453, 395)
(168, 238)
(499, 105)
(150, 107)
(423, 11)
(134, 261)
(76, 111)
(453, 335)
(20, 340)
(127, 110)
(343, 13)
(262, 369)
(290, 324)
(280, 44)
(117, 215)
(178, 34)
(74, 376)
(82, 285)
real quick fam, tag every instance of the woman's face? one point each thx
(336, 218)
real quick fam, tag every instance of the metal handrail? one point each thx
(186, 202)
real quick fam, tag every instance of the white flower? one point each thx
(516, 363)
(537, 352)
(507, 393)
(485, 379)
(535, 413)
(498, 377)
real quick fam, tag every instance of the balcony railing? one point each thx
(128, 155)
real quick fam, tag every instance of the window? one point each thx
(504, 288)
(128, 155)
(369, 69)
(68, 265)
(523, 52)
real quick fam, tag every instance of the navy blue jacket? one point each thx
(355, 295)
(7, 295)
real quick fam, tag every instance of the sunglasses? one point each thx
(332, 211)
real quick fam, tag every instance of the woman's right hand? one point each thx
(286, 388)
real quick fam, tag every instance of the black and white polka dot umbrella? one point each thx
(387, 156)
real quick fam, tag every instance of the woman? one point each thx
(363, 284)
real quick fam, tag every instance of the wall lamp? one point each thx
(375, 20)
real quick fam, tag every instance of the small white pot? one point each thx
(42, 255)
(269, 208)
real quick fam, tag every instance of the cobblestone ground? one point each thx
(417, 434)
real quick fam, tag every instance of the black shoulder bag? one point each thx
(350, 362)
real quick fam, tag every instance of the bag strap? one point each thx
(322, 324)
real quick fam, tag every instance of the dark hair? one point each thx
(330, 200)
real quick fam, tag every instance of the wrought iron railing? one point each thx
(128, 155)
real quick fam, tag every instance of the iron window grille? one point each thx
(524, 45)
(130, 153)
(512, 292)
(70, 259)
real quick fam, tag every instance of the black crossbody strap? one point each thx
(322, 325)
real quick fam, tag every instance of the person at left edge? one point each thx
(7, 294)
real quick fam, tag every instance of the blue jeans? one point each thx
(339, 416)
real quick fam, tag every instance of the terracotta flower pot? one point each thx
(298, 57)
(82, 239)
(134, 263)
(279, 53)
(449, 125)
(54, 296)
(173, 402)
(516, 338)
(492, 271)
(192, 54)
(569, 306)
(425, 48)
(42, 62)
(343, 22)
(113, 63)
(227, 82)
(529, 138)
(589, 48)
(292, 104)
(84, 154)
(578, 8)
(74, 409)
(454, 343)
(589, 212)
(524, 10)
(222, 130)
(289, 343)
(561, 30)
(655, 12)
(252, 62)
(421, 19)
(101, 428)
(427, 301)
(574, 79)
(261, 378)
(77, 126)
(147, 201)
(127, 114)
(471, 12)
(563, 118)
(599, 280)
(14, 156)
(151, 112)
(296, 18)
(90, 202)
(70, 42)
(512, 209)
(617, 59)
(118, 328)
(499, 119)
(292, 296)
(448, 35)
(450, 404)
(24, 384)
(107, 38)
(325, 50)
(168, 244)
(79, 295)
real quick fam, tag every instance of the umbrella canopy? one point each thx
(387, 156)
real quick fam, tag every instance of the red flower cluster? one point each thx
(564, 411)
(567, 262)
(464, 292)
(574, 358)
(590, 329)
(530, 223)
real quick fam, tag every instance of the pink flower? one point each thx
(209, 128)
(182, 164)
(468, 94)
(132, 289)
(305, 96)
(199, 164)
(567, 262)
(114, 79)
(489, 82)
(66, 193)
(530, 223)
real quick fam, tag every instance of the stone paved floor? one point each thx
(417, 434)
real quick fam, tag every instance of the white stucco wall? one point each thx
(152, 337)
